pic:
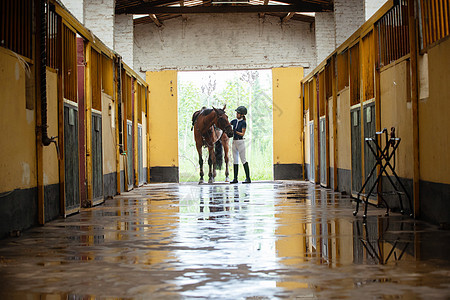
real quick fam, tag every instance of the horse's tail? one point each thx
(194, 118)
(218, 151)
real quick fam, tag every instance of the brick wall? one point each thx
(349, 16)
(325, 35)
(123, 38)
(76, 8)
(99, 17)
(224, 41)
(372, 6)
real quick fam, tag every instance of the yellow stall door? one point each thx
(163, 126)
(287, 113)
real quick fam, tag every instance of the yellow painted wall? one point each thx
(108, 135)
(287, 147)
(50, 158)
(163, 116)
(396, 112)
(17, 135)
(343, 129)
(434, 120)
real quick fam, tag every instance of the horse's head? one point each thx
(222, 121)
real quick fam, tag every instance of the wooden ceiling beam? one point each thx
(155, 20)
(148, 9)
(287, 17)
(261, 15)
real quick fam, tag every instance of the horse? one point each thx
(209, 126)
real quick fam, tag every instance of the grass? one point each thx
(261, 168)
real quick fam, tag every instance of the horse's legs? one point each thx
(225, 153)
(212, 165)
(200, 161)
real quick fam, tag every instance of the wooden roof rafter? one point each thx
(174, 7)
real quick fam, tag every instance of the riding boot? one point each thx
(235, 170)
(247, 173)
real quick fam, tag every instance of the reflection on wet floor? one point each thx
(263, 240)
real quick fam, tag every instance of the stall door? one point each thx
(355, 117)
(369, 132)
(71, 172)
(311, 149)
(97, 159)
(140, 160)
(130, 152)
(323, 151)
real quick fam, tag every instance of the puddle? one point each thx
(259, 241)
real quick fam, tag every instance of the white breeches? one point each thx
(238, 149)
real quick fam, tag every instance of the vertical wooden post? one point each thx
(335, 132)
(89, 124)
(316, 130)
(361, 103)
(117, 73)
(135, 130)
(415, 105)
(377, 96)
(147, 92)
(39, 145)
(302, 133)
(62, 170)
(327, 127)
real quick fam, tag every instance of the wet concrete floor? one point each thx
(260, 241)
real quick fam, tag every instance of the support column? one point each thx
(124, 37)
(76, 8)
(349, 16)
(99, 17)
(325, 35)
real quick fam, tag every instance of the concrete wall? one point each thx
(99, 17)
(223, 41)
(123, 38)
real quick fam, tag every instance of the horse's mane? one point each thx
(204, 111)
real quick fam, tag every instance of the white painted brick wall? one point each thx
(123, 38)
(372, 6)
(325, 35)
(349, 16)
(76, 8)
(224, 41)
(99, 18)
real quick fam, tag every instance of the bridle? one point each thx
(220, 123)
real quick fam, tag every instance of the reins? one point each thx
(203, 135)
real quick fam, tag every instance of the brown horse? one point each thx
(209, 126)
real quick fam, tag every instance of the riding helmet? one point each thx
(241, 110)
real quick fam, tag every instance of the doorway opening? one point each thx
(250, 88)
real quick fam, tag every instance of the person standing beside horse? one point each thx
(238, 147)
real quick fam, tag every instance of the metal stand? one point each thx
(383, 157)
